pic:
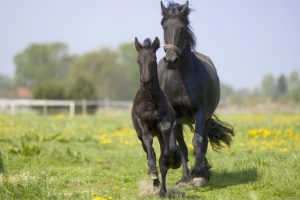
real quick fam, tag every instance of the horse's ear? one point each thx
(163, 8)
(156, 44)
(138, 45)
(185, 8)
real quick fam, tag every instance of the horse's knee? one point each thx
(197, 140)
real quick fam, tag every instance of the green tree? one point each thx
(227, 92)
(294, 87)
(49, 90)
(268, 87)
(6, 86)
(127, 59)
(81, 88)
(282, 87)
(41, 62)
(96, 67)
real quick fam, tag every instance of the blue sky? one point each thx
(245, 39)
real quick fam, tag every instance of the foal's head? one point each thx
(147, 60)
(177, 33)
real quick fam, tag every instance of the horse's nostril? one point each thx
(175, 60)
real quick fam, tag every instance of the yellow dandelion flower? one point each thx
(266, 133)
(284, 150)
(252, 132)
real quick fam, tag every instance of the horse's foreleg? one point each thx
(165, 128)
(183, 153)
(163, 166)
(148, 141)
(200, 172)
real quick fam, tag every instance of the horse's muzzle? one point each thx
(170, 65)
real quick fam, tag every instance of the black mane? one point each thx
(173, 12)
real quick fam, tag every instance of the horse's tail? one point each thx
(219, 132)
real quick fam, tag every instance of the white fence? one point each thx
(12, 105)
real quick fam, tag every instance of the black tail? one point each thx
(219, 133)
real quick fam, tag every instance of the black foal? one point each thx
(152, 115)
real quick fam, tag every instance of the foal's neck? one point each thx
(153, 89)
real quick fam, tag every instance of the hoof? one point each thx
(183, 181)
(162, 193)
(175, 160)
(156, 190)
(153, 176)
(199, 181)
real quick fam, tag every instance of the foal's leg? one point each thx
(163, 167)
(200, 172)
(148, 141)
(183, 153)
(165, 128)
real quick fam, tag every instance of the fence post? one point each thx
(12, 107)
(72, 109)
(106, 103)
(45, 107)
(84, 107)
(2, 107)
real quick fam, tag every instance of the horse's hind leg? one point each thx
(183, 153)
(200, 171)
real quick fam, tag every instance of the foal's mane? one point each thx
(173, 12)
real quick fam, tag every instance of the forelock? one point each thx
(147, 43)
(173, 11)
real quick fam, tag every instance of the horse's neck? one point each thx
(185, 62)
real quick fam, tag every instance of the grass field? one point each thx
(100, 157)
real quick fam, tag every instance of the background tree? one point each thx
(294, 87)
(268, 87)
(81, 88)
(227, 92)
(282, 87)
(127, 57)
(6, 86)
(95, 67)
(49, 90)
(41, 62)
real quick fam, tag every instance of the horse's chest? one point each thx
(178, 94)
(150, 112)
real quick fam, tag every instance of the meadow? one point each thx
(99, 157)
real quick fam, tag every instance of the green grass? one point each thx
(77, 158)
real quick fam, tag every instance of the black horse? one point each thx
(190, 81)
(153, 115)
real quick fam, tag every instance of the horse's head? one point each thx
(147, 59)
(176, 31)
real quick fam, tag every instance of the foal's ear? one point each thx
(156, 44)
(138, 45)
(163, 8)
(185, 8)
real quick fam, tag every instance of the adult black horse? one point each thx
(190, 81)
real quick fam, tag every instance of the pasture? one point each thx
(99, 157)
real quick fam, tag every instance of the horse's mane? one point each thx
(173, 11)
